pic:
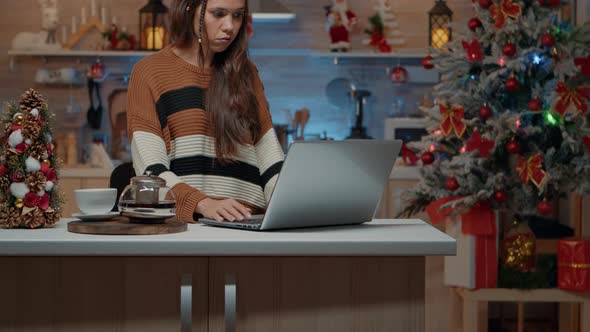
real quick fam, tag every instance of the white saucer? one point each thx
(95, 217)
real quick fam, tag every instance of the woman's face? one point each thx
(223, 20)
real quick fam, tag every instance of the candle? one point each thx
(114, 20)
(440, 37)
(74, 24)
(83, 17)
(103, 15)
(93, 8)
(64, 34)
(155, 38)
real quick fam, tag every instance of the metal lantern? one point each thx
(153, 25)
(439, 24)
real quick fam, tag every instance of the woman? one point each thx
(197, 115)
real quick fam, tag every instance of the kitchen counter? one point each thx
(382, 237)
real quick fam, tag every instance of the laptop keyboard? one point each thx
(255, 219)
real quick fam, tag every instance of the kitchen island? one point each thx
(344, 278)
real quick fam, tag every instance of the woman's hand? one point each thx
(226, 209)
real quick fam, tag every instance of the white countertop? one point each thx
(382, 237)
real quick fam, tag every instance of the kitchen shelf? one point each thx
(405, 54)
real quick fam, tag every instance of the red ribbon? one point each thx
(578, 96)
(531, 169)
(507, 8)
(452, 120)
(483, 146)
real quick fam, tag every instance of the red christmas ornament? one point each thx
(513, 147)
(544, 207)
(97, 71)
(399, 75)
(426, 62)
(427, 158)
(474, 23)
(509, 49)
(512, 84)
(500, 197)
(485, 112)
(485, 4)
(535, 104)
(584, 64)
(548, 40)
(452, 184)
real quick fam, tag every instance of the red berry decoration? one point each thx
(500, 197)
(548, 40)
(474, 23)
(485, 112)
(452, 184)
(427, 62)
(427, 158)
(512, 84)
(544, 207)
(535, 104)
(485, 4)
(509, 49)
(513, 147)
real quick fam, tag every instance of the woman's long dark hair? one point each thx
(231, 99)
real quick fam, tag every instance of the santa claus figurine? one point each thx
(340, 21)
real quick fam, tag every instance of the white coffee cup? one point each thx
(96, 201)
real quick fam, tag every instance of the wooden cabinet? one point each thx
(100, 293)
(292, 294)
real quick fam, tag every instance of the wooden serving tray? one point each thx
(122, 226)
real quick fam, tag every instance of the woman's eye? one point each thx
(218, 14)
(238, 15)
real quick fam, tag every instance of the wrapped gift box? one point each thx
(476, 263)
(573, 259)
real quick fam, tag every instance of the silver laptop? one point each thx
(325, 183)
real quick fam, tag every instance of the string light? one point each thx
(432, 148)
(551, 119)
(502, 62)
(518, 123)
(537, 59)
(463, 149)
(438, 132)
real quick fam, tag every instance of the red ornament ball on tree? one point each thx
(500, 197)
(512, 84)
(474, 23)
(544, 207)
(535, 104)
(548, 40)
(426, 62)
(509, 49)
(427, 158)
(452, 184)
(399, 75)
(485, 112)
(485, 4)
(513, 147)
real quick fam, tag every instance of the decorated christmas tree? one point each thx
(29, 196)
(509, 128)
(384, 29)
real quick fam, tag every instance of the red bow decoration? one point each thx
(474, 52)
(578, 96)
(408, 156)
(586, 141)
(507, 8)
(531, 169)
(477, 143)
(452, 120)
(384, 46)
(585, 64)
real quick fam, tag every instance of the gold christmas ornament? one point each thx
(19, 118)
(19, 203)
(518, 247)
(46, 161)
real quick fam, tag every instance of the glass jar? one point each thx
(147, 199)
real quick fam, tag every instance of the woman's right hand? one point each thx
(226, 209)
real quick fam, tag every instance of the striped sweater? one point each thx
(171, 136)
